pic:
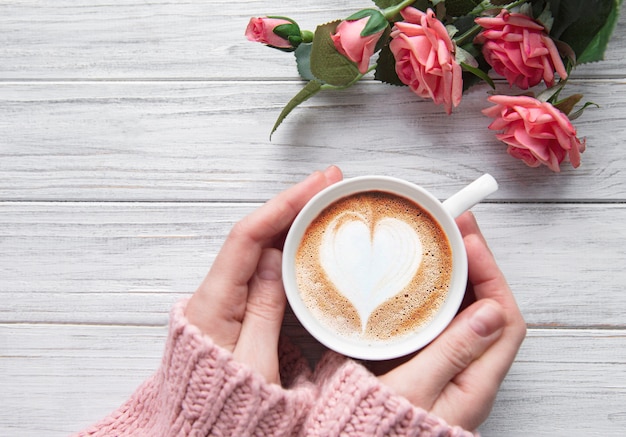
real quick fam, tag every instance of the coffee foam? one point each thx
(369, 262)
(420, 294)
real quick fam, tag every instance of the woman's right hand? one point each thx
(458, 375)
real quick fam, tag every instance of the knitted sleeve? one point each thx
(200, 390)
(352, 402)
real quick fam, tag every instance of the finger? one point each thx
(239, 256)
(489, 283)
(257, 345)
(422, 379)
(484, 274)
(477, 385)
(219, 303)
(486, 278)
(467, 224)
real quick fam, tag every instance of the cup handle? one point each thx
(469, 196)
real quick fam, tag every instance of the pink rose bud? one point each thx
(263, 30)
(349, 42)
(535, 131)
(518, 48)
(425, 59)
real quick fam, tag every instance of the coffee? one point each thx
(374, 265)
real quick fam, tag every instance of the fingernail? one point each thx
(487, 320)
(331, 169)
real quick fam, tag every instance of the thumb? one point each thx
(257, 345)
(424, 377)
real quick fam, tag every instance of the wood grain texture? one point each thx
(126, 263)
(164, 39)
(134, 134)
(561, 384)
(190, 141)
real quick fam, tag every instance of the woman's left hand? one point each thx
(241, 302)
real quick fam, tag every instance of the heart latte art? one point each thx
(374, 265)
(369, 263)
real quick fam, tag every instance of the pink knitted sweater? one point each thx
(200, 390)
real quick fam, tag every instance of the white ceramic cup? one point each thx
(443, 212)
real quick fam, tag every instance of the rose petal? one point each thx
(535, 131)
(425, 60)
(519, 49)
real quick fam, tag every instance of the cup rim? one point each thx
(363, 349)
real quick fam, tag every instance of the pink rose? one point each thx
(536, 132)
(425, 60)
(261, 29)
(349, 42)
(518, 48)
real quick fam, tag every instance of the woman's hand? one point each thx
(458, 375)
(241, 302)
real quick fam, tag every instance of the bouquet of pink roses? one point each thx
(439, 48)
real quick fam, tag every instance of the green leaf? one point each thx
(585, 25)
(465, 24)
(311, 88)
(327, 64)
(386, 68)
(452, 30)
(551, 95)
(361, 14)
(478, 73)
(375, 24)
(574, 115)
(471, 78)
(422, 5)
(458, 8)
(303, 61)
(384, 40)
(597, 46)
(287, 30)
(566, 105)
(463, 56)
(383, 4)
(545, 18)
(390, 7)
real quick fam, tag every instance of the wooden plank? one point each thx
(126, 263)
(198, 141)
(564, 382)
(60, 378)
(56, 379)
(170, 39)
(133, 135)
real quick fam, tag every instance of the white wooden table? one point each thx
(134, 134)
